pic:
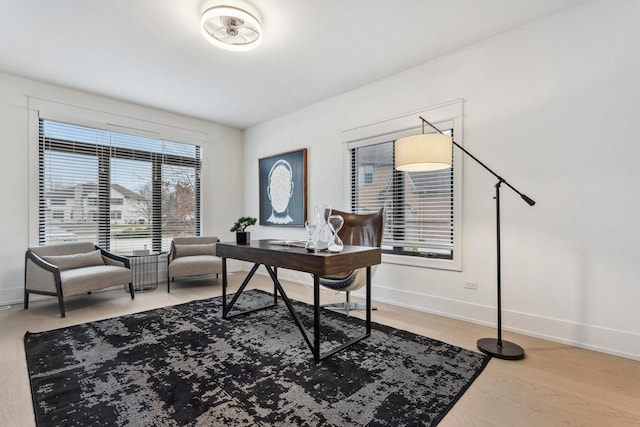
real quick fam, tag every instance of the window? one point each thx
(423, 210)
(120, 191)
(418, 206)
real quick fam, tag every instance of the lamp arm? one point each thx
(524, 197)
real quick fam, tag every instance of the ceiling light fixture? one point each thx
(231, 28)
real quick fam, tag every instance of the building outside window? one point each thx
(117, 190)
(418, 206)
(423, 210)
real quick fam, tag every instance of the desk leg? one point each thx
(275, 289)
(293, 313)
(226, 308)
(224, 286)
(316, 318)
(368, 322)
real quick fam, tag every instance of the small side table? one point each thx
(144, 269)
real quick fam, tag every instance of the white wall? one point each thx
(222, 161)
(552, 107)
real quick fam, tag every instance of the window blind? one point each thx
(418, 206)
(121, 191)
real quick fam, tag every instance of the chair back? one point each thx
(361, 229)
(195, 240)
(191, 241)
(69, 248)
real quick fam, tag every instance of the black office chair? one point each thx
(358, 230)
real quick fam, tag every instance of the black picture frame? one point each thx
(283, 189)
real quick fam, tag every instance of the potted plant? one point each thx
(242, 236)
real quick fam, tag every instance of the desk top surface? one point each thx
(321, 263)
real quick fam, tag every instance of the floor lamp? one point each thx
(434, 151)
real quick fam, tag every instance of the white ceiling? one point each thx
(151, 52)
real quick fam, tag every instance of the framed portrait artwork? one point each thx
(283, 189)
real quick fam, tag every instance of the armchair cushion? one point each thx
(79, 260)
(193, 250)
(81, 280)
(195, 265)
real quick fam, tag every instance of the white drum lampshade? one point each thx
(424, 152)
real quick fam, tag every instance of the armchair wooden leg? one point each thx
(26, 300)
(61, 304)
(131, 290)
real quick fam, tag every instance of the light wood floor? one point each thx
(554, 385)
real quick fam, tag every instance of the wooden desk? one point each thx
(260, 252)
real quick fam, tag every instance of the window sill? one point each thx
(422, 262)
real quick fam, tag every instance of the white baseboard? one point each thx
(14, 296)
(605, 340)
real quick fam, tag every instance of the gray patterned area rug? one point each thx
(185, 365)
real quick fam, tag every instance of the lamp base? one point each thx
(507, 350)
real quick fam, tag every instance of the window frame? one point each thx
(102, 201)
(144, 124)
(445, 116)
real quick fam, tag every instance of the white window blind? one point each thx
(418, 206)
(120, 191)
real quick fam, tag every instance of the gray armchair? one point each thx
(192, 256)
(67, 269)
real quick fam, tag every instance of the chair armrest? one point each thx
(171, 253)
(122, 259)
(40, 262)
(40, 275)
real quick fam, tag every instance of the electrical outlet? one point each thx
(468, 284)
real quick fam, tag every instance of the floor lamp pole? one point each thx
(491, 346)
(497, 347)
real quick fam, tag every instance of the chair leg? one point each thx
(348, 305)
(168, 282)
(335, 305)
(26, 300)
(348, 301)
(131, 290)
(358, 306)
(61, 304)
(339, 305)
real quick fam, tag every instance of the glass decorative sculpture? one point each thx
(312, 244)
(335, 223)
(323, 233)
